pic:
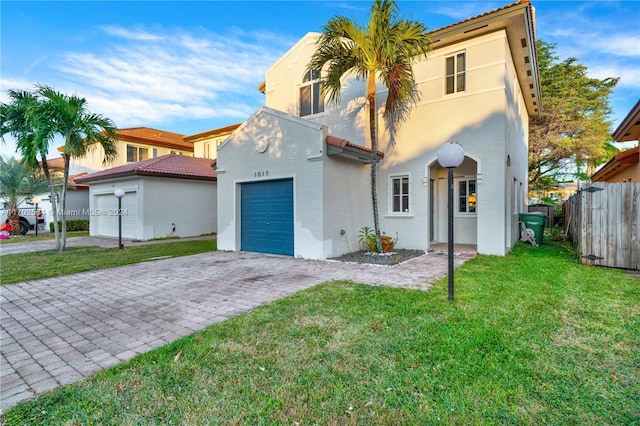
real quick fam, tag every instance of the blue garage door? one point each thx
(267, 216)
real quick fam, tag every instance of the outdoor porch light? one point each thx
(36, 201)
(450, 156)
(119, 193)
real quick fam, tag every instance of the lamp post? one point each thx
(36, 201)
(450, 155)
(119, 193)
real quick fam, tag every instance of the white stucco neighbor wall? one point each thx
(151, 205)
(189, 204)
(295, 150)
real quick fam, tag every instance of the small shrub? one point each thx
(367, 239)
(73, 225)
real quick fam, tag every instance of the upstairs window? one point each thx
(455, 73)
(467, 196)
(136, 153)
(311, 100)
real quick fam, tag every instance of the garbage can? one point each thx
(535, 221)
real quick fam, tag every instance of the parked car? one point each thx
(27, 218)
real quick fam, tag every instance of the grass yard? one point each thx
(50, 263)
(31, 236)
(532, 338)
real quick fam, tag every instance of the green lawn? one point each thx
(50, 263)
(31, 236)
(532, 338)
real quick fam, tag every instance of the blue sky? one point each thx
(189, 67)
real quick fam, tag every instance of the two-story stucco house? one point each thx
(294, 179)
(205, 144)
(135, 144)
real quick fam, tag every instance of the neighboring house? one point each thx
(625, 166)
(134, 144)
(557, 194)
(77, 194)
(205, 144)
(294, 179)
(171, 195)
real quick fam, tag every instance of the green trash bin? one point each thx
(535, 221)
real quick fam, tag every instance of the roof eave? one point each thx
(629, 128)
(506, 19)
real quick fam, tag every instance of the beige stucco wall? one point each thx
(630, 174)
(489, 120)
(208, 147)
(92, 162)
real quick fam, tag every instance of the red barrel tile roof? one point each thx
(171, 165)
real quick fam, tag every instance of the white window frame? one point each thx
(457, 197)
(392, 195)
(456, 73)
(137, 155)
(311, 82)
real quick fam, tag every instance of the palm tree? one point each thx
(18, 182)
(81, 130)
(22, 118)
(384, 52)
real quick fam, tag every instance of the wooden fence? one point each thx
(603, 221)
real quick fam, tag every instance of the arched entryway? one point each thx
(465, 200)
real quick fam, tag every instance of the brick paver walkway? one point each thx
(59, 330)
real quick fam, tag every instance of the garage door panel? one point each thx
(105, 215)
(267, 217)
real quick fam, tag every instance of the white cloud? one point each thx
(629, 75)
(126, 33)
(150, 77)
(626, 45)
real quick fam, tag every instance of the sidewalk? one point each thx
(107, 242)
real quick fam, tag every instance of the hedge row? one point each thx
(73, 225)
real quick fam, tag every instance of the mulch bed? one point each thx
(384, 259)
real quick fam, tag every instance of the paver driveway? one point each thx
(56, 331)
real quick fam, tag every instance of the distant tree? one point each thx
(23, 119)
(18, 182)
(574, 125)
(383, 52)
(36, 118)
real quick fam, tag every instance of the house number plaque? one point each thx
(261, 174)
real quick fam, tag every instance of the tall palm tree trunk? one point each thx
(371, 97)
(52, 198)
(14, 221)
(63, 202)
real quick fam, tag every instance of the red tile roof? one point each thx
(617, 164)
(519, 2)
(359, 149)
(221, 131)
(73, 183)
(55, 163)
(157, 137)
(171, 165)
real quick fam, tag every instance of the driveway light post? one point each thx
(450, 155)
(119, 193)
(36, 201)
